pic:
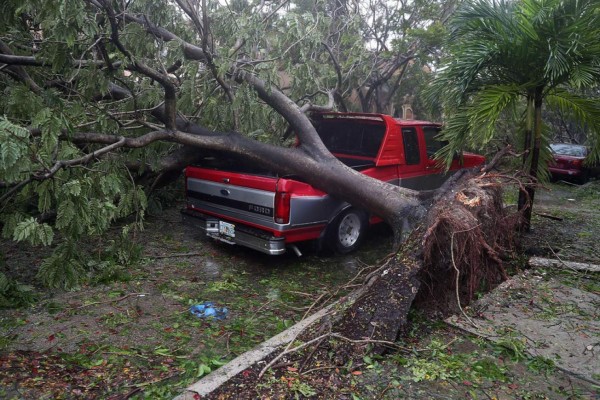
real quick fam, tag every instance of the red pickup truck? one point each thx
(271, 213)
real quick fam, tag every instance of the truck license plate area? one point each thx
(227, 229)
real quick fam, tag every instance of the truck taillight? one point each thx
(282, 207)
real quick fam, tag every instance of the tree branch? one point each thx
(190, 51)
(170, 92)
(18, 71)
(308, 107)
(118, 142)
(309, 139)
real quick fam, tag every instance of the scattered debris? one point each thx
(552, 217)
(208, 310)
(541, 315)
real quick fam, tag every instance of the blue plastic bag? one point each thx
(208, 310)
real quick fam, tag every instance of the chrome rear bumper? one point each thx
(244, 236)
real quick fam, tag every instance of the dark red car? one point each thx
(568, 162)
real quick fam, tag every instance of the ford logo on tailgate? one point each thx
(225, 192)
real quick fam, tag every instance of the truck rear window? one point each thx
(351, 137)
(433, 143)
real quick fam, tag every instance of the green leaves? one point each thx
(14, 160)
(14, 294)
(64, 268)
(502, 53)
(32, 231)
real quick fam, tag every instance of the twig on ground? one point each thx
(152, 382)
(384, 391)
(288, 351)
(373, 341)
(283, 364)
(110, 301)
(313, 305)
(318, 369)
(178, 255)
(309, 356)
(549, 216)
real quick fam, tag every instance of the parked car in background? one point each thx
(568, 162)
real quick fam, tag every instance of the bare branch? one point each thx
(336, 65)
(190, 51)
(170, 92)
(308, 107)
(17, 71)
(268, 17)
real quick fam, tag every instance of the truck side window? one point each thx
(432, 143)
(411, 146)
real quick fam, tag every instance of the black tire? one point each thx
(347, 231)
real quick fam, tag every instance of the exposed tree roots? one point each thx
(456, 253)
(468, 233)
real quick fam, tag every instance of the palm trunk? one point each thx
(535, 156)
(522, 203)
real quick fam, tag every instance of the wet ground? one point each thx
(135, 338)
(534, 337)
(114, 339)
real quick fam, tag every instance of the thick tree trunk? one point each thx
(457, 252)
(392, 203)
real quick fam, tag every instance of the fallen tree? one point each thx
(456, 252)
(107, 102)
(77, 164)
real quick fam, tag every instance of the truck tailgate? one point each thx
(241, 197)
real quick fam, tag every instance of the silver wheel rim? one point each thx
(349, 230)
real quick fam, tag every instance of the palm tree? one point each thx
(503, 53)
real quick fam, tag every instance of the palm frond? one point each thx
(487, 107)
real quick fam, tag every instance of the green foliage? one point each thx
(14, 294)
(511, 347)
(506, 52)
(32, 231)
(541, 364)
(439, 363)
(65, 268)
(14, 160)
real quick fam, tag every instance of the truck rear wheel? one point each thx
(347, 231)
